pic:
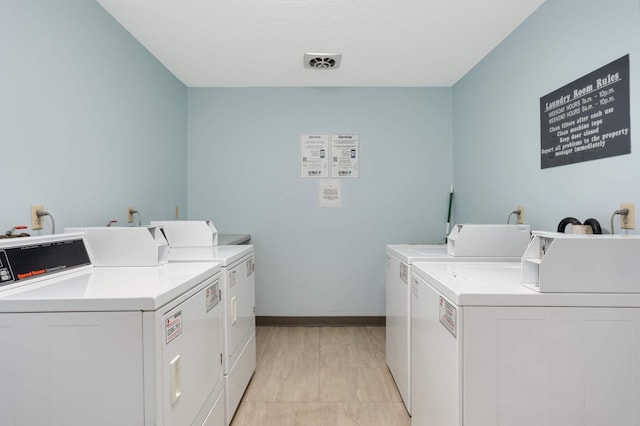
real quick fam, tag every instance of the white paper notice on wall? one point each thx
(330, 193)
(314, 156)
(345, 150)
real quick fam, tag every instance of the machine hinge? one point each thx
(221, 358)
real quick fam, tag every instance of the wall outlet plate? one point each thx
(36, 222)
(628, 221)
(521, 215)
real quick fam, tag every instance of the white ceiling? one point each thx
(235, 43)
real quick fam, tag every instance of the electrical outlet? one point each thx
(521, 215)
(628, 221)
(36, 222)
(129, 214)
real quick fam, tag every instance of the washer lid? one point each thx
(108, 289)
(500, 284)
(410, 254)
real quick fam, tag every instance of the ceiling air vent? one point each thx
(322, 60)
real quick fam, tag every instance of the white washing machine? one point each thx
(400, 259)
(106, 346)
(489, 351)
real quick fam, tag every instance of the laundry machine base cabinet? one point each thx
(235, 383)
(525, 366)
(215, 417)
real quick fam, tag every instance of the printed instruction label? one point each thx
(415, 288)
(404, 273)
(448, 315)
(345, 150)
(250, 267)
(173, 326)
(314, 156)
(330, 193)
(213, 296)
(233, 277)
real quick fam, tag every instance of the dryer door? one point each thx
(240, 301)
(191, 347)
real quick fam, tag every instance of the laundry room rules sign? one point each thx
(587, 119)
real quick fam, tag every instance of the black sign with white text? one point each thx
(587, 119)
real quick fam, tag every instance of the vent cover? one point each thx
(322, 60)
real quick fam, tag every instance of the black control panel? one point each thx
(30, 261)
(6, 276)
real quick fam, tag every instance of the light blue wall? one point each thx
(497, 119)
(90, 122)
(244, 173)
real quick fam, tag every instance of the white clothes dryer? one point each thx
(113, 346)
(237, 284)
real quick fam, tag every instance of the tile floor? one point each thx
(317, 376)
